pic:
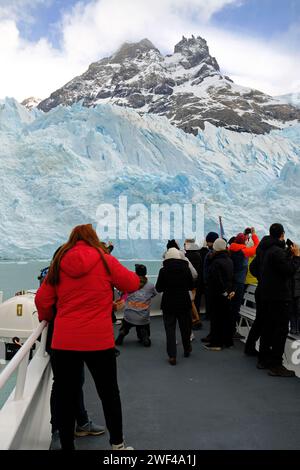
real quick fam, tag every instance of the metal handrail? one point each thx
(20, 360)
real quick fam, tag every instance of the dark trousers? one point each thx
(103, 368)
(236, 302)
(220, 321)
(184, 319)
(256, 328)
(207, 303)
(275, 327)
(81, 415)
(142, 331)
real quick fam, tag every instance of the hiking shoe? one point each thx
(89, 429)
(172, 361)
(121, 446)
(281, 371)
(210, 347)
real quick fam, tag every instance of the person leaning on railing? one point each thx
(79, 283)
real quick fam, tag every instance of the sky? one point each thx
(46, 43)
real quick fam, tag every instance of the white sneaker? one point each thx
(121, 446)
(118, 322)
(192, 337)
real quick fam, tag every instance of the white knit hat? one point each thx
(173, 253)
(219, 245)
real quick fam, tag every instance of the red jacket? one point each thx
(83, 299)
(248, 251)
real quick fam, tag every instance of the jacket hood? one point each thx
(173, 261)
(192, 247)
(237, 247)
(79, 260)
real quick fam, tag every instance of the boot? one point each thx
(281, 371)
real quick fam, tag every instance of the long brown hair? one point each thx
(80, 232)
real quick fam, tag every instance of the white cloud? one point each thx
(94, 30)
(20, 9)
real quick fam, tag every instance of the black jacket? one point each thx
(175, 281)
(220, 274)
(274, 269)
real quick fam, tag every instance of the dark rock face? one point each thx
(187, 87)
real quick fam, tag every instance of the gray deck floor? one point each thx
(212, 400)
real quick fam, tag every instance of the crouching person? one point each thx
(137, 309)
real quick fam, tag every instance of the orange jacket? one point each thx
(248, 251)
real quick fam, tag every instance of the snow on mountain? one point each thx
(31, 102)
(57, 167)
(290, 98)
(187, 87)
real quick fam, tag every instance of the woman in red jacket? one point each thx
(79, 284)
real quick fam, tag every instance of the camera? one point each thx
(247, 231)
(289, 243)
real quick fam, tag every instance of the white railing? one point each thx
(21, 359)
(25, 416)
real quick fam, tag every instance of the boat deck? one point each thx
(211, 400)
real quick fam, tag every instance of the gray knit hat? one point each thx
(219, 245)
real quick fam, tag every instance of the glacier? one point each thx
(57, 167)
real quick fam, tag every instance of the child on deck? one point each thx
(137, 309)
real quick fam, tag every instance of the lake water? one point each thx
(16, 276)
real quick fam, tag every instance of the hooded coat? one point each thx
(83, 299)
(175, 281)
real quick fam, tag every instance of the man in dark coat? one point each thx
(175, 281)
(275, 270)
(220, 293)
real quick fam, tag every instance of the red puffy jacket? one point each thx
(83, 299)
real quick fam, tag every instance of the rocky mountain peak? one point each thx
(187, 87)
(131, 50)
(195, 51)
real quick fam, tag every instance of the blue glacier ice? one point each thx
(56, 168)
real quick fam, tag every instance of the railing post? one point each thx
(21, 377)
(42, 347)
